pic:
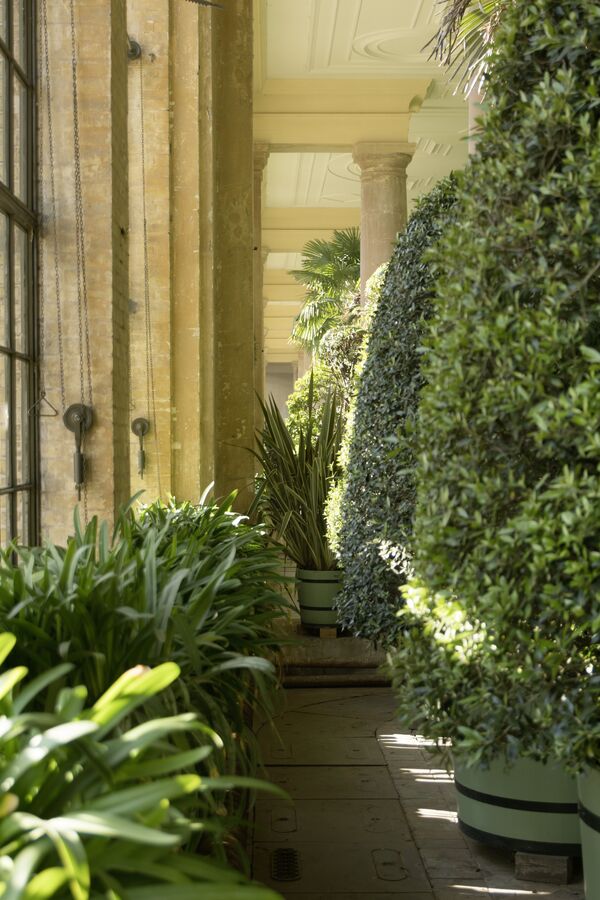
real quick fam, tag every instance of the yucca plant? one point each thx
(92, 808)
(298, 474)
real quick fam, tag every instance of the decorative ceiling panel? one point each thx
(333, 38)
(312, 180)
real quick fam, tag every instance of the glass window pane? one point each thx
(4, 420)
(3, 118)
(4, 226)
(5, 529)
(22, 499)
(22, 404)
(21, 307)
(19, 41)
(20, 138)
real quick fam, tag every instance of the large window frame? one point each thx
(19, 484)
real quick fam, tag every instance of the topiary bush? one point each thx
(500, 647)
(370, 514)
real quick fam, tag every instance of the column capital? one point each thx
(261, 156)
(383, 157)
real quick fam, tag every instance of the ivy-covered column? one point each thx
(383, 203)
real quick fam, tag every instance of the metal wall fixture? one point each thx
(134, 50)
(78, 418)
(140, 428)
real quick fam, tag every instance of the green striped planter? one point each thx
(316, 594)
(530, 807)
(589, 819)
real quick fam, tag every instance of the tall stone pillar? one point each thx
(186, 166)
(101, 38)
(233, 232)
(261, 155)
(383, 203)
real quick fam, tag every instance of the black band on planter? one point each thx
(589, 818)
(511, 803)
(508, 843)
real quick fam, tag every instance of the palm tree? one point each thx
(463, 41)
(330, 272)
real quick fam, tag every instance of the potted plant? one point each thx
(297, 476)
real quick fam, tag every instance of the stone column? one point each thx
(383, 201)
(101, 36)
(149, 23)
(186, 167)
(233, 230)
(261, 155)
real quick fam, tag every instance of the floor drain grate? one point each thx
(285, 864)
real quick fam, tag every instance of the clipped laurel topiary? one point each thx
(500, 650)
(371, 514)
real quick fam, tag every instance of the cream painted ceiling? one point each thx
(348, 40)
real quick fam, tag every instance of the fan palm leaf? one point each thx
(463, 41)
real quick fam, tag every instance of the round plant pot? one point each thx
(316, 595)
(528, 806)
(589, 819)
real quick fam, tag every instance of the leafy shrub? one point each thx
(188, 584)
(500, 647)
(371, 518)
(322, 379)
(89, 805)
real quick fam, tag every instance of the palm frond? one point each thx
(315, 319)
(463, 41)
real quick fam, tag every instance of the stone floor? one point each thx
(373, 816)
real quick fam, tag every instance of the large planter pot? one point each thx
(528, 806)
(589, 814)
(316, 595)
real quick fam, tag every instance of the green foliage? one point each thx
(297, 478)
(90, 805)
(371, 514)
(500, 646)
(330, 271)
(190, 584)
(463, 41)
(321, 378)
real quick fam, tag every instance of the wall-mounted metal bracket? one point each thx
(140, 428)
(134, 50)
(78, 418)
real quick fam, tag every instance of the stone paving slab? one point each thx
(369, 896)
(377, 704)
(304, 750)
(310, 721)
(340, 807)
(323, 782)
(369, 870)
(369, 821)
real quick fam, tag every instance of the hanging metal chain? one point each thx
(85, 365)
(82, 305)
(53, 226)
(150, 388)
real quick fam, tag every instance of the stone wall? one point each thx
(102, 90)
(196, 77)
